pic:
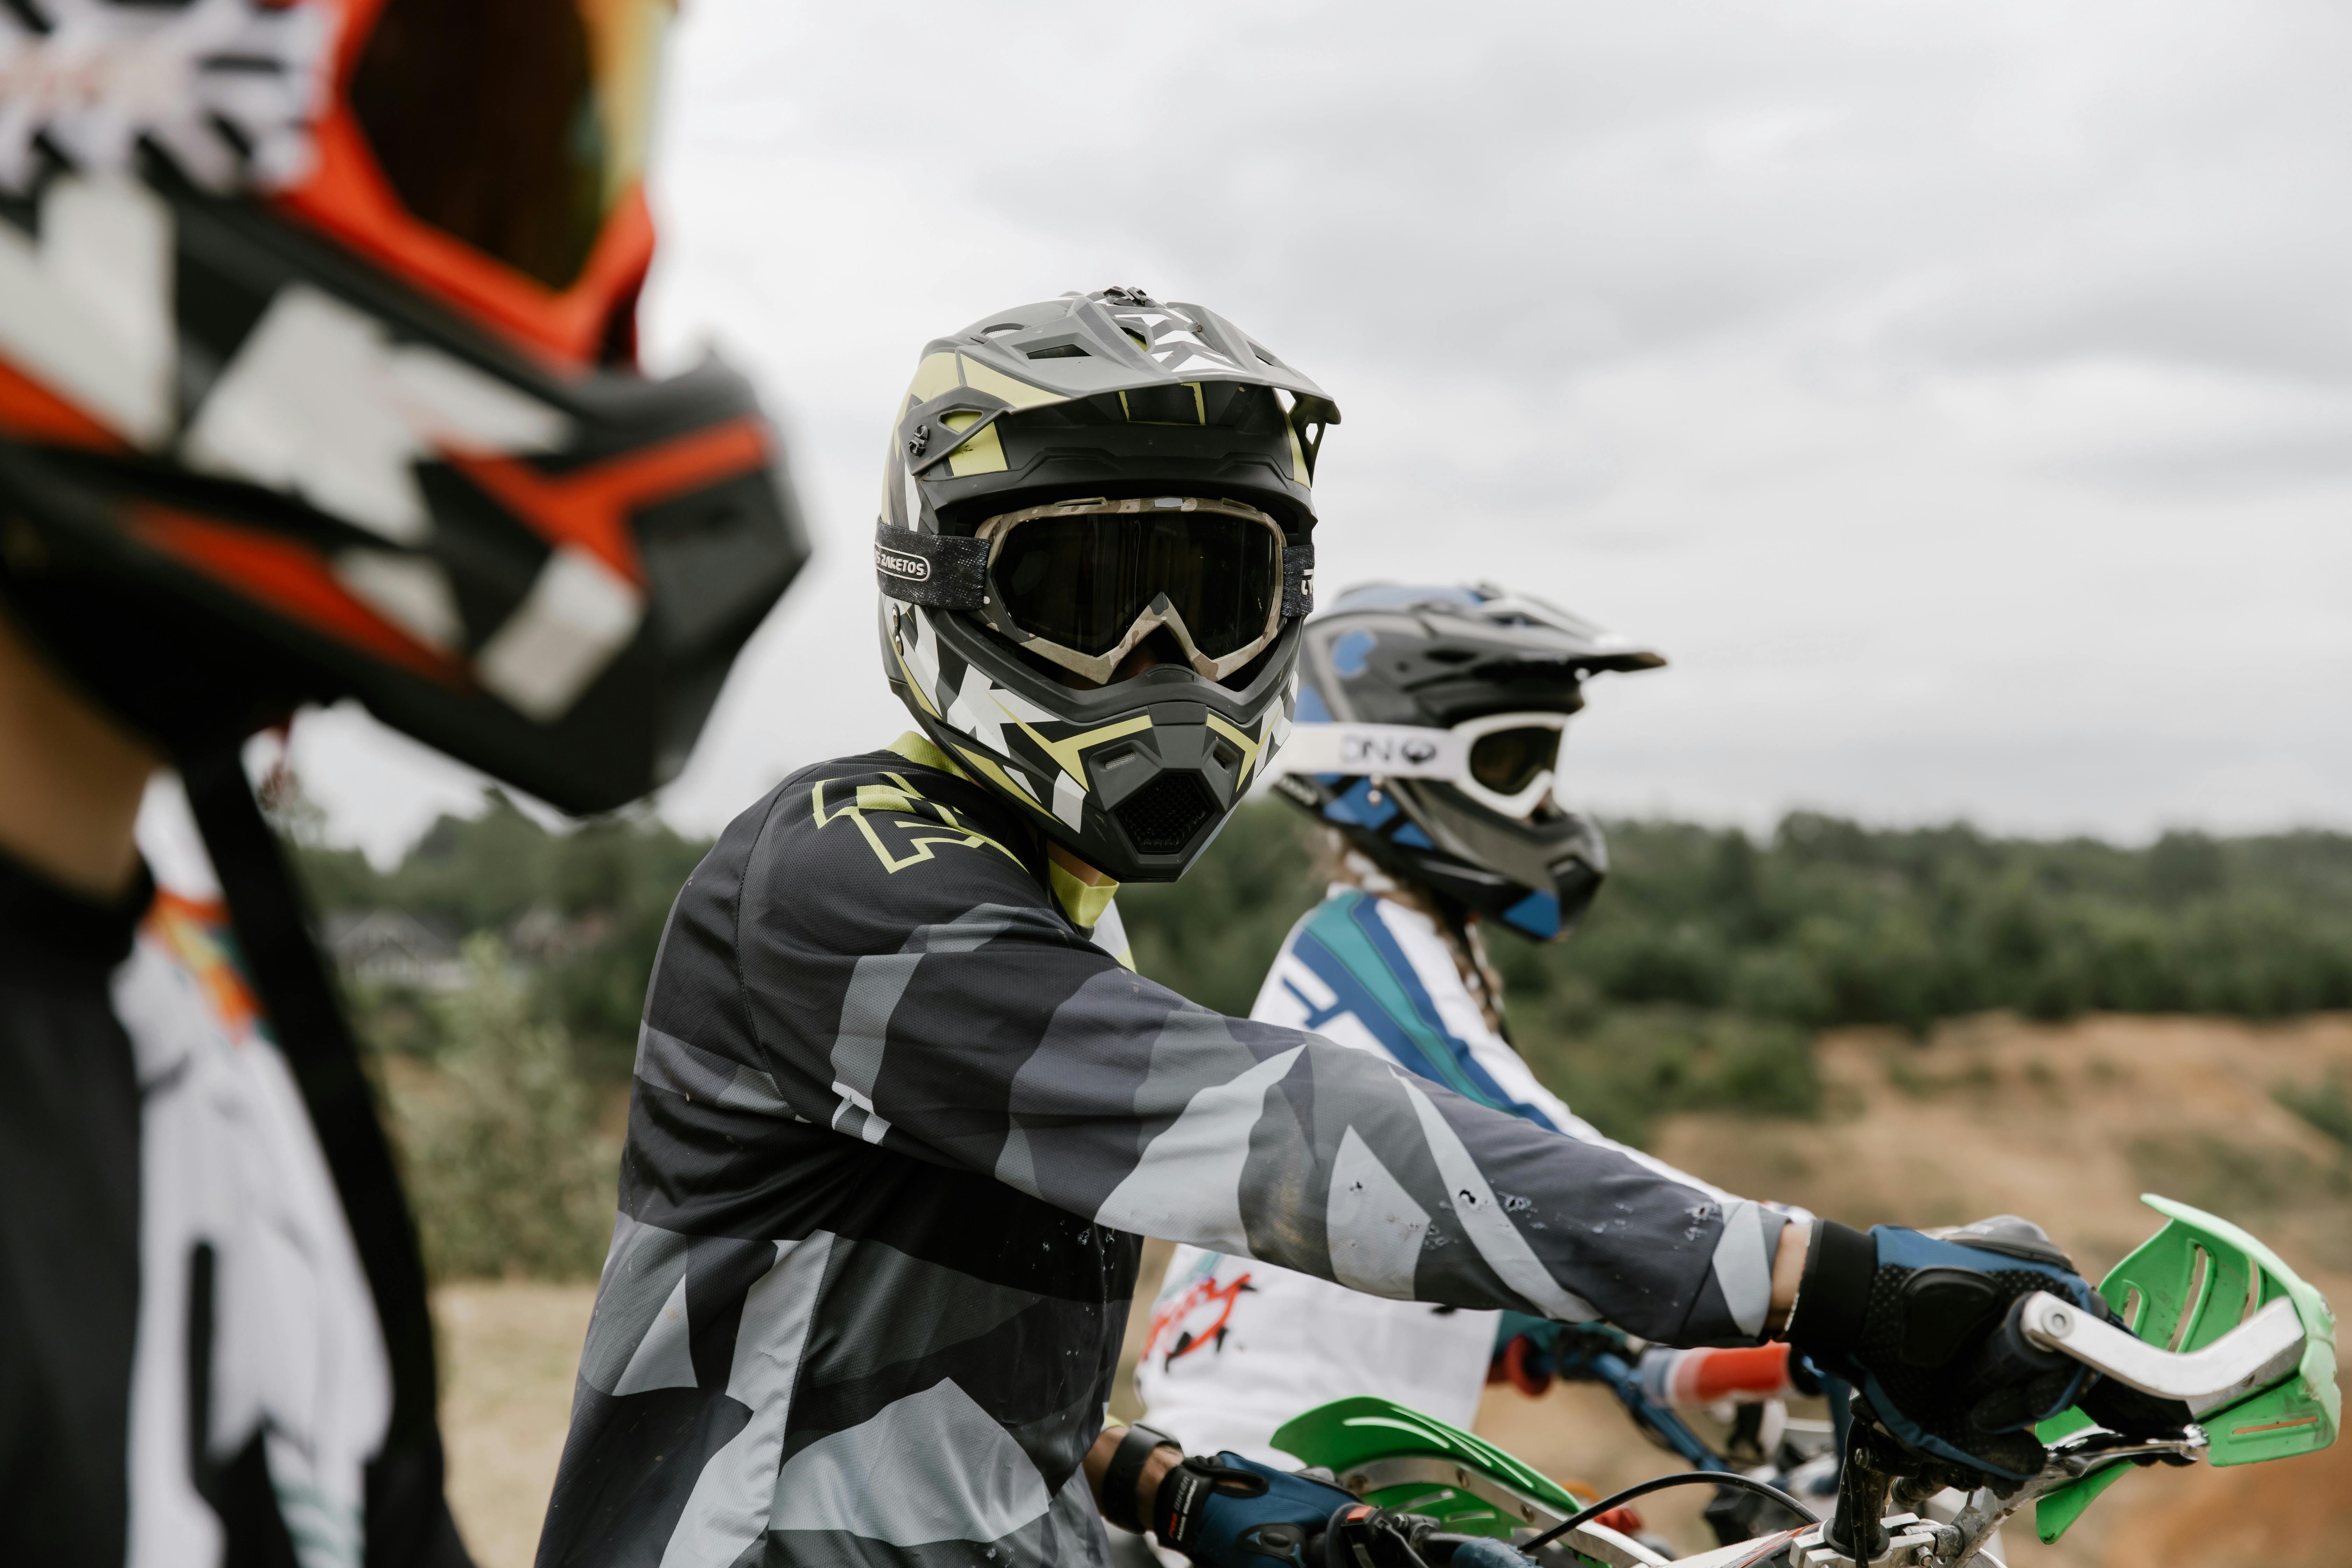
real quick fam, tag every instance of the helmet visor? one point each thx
(516, 126)
(1082, 583)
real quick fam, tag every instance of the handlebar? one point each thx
(2259, 1351)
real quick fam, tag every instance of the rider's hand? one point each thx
(1230, 1510)
(1909, 1317)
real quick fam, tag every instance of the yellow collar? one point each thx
(1083, 901)
(917, 749)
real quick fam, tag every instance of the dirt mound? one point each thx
(2066, 1124)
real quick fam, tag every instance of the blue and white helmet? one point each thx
(1427, 732)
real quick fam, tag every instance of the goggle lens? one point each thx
(515, 126)
(1082, 581)
(1507, 761)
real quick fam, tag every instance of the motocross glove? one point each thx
(1236, 1513)
(1364, 1536)
(1910, 1318)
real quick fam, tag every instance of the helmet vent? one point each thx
(1060, 351)
(1162, 818)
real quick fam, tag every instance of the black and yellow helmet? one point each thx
(1067, 482)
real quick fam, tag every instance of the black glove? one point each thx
(1232, 1511)
(1914, 1320)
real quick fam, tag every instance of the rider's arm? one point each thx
(1787, 1270)
(919, 990)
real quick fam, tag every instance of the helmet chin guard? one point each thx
(1114, 399)
(1408, 696)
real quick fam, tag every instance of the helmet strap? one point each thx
(937, 570)
(404, 1482)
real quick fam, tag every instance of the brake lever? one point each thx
(2060, 1467)
(2258, 1352)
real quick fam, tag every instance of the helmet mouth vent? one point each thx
(1163, 817)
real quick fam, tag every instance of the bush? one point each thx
(2326, 1105)
(1694, 982)
(608, 883)
(505, 1167)
(1638, 1064)
(1779, 983)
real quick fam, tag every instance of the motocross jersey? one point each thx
(1237, 1347)
(191, 1368)
(899, 1126)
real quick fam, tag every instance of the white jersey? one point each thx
(1237, 1347)
(239, 1228)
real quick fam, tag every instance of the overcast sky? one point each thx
(1961, 394)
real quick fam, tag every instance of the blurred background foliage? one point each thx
(1710, 958)
(508, 1168)
(1707, 966)
(582, 909)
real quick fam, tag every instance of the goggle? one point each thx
(1506, 763)
(1081, 583)
(494, 150)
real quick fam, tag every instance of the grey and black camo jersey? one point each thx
(897, 1129)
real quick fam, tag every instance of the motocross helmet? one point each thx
(318, 379)
(1428, 730)
(1065, 481)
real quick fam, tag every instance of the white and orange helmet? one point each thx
(318, 379)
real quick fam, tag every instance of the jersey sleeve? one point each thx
(908, 982)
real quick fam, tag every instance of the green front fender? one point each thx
(1394, 1458)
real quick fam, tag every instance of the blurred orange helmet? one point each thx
(318, 378)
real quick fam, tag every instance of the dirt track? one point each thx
(1993, 1116)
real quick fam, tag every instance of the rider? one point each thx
(317, 380)
(901, 1115)
(1430, 720)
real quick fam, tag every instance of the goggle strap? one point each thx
(939, 571)
(1388, 751)
(1352, 750)
(1298, 581)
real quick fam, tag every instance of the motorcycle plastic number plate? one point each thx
(2184, 1288)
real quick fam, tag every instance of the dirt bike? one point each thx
(2213, 1320)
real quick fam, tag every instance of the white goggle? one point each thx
(1506, 763)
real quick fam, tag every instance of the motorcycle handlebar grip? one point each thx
(2008, 1356)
